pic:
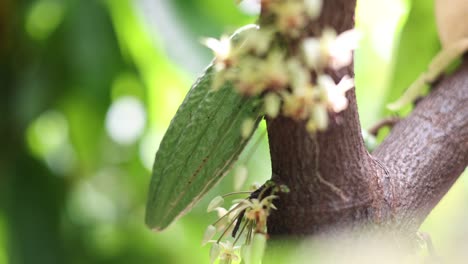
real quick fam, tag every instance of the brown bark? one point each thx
(335, 183)
(426, 152)
(386, 122)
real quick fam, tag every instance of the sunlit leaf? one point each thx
(418, 45)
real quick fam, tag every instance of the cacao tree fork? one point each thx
(397, 186)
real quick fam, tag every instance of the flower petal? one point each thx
(247, 127)
(240, 176)
(209, 234)
(312, 52)
(320, 116)
(313, 8)
(214, 252)
(272, 104)
(215, 203)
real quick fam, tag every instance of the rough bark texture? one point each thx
(335, 183)
(426, 152)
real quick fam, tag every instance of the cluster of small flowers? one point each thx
(287, 68)
(247, 218)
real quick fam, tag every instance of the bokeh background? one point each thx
(88, 89)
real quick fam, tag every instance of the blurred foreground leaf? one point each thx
(199, 147)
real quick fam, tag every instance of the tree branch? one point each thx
(426, 152)
(386, 122)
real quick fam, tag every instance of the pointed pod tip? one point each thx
(155, 226)
(157, 229)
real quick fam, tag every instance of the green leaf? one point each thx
(418, 45)
(186, 20)
(200, 146)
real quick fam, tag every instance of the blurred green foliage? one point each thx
(88, 89)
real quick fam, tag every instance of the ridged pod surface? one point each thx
(202, 142)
